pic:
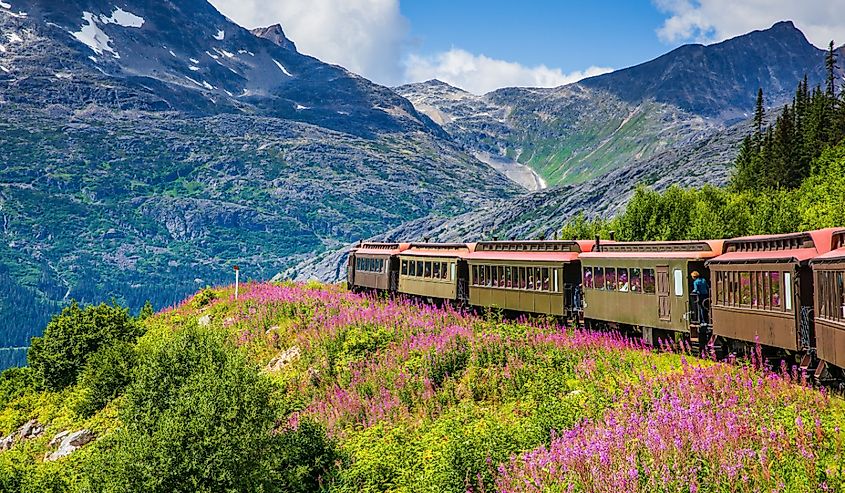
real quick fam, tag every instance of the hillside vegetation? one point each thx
(311, 388)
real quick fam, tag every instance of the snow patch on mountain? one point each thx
(193, 68)
(4, 69)
(220, 36)
(2, 49)
(14, 38)
(5, 5)
(123, 18)
(92, 36)
(299, 107)
(282, 68)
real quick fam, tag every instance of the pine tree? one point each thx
(830, 66)
(759, 114)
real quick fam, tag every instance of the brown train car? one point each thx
(829, 277)
(763, 289)
(435, 270)
(375, 266)
(526, 276)
(644, 285)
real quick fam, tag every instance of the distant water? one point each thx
(12, 356)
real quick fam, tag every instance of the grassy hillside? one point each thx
(309, 387)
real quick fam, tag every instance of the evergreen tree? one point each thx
(759, 114)
(830, 67)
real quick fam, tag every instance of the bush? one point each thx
(105, 376)
(204, 297)
(14, 383)
(72, 336)
(199, 418)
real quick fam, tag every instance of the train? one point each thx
(783, 293)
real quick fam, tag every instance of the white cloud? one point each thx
(364, 36)
(716, 20)
(480, 74)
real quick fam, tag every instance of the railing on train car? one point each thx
(463, 290)
(573, 297)
(806, 324)
(393, 282)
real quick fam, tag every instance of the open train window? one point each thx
(610, 278)
(648, 281)
(437, 270)
(774, 277)
(636, 281)
(427, 271)
(598, 277)
(413, 266)
(840, 283)
(538, 279)
(508, 278)
(523, 281)
(622, 280)
(544, 275)
(588, 278)
(404, 267)
(745, 288)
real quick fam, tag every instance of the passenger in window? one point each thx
(635, 281)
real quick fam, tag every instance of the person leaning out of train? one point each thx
(702, 292)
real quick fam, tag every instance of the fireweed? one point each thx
(586, 411)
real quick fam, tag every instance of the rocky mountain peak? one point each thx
(276, 34)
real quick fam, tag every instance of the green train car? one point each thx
(644, 286)
(437, 271)
(527, 276)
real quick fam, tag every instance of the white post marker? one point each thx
(237, 271)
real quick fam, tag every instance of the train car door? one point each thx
(664, 303)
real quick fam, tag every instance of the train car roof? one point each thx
(692, 250)
(531, 250)
(837, 253)
(456, 250)
(373, 248)
(787, 247)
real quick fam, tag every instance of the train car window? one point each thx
(437, 270)
(501, 270)
(636, 280)
(745, 289)
(767, 291)
(775, 289)
(416, 268)
(787, 291)
(474, 274)
(610, 278)
(427, 271)
(598, 277)
(557, 287)
(759, 290)
(588, 278)
(404, 268)
(538, 279)
(487, 279)
(444, 270)
(522, 278)
(679, 282)
(454, 274)
(623, 281)
(508, 277)
(840, 283)
(545, 276)
(648, 281)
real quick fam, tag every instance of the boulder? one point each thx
(283, 359)
(68, 443)
(204, 321)
(30, 429)
(7, 442)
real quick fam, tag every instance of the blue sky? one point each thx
(482, 45)
(568, 35)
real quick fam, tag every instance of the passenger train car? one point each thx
(785, 292)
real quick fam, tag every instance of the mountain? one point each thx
(570, 134)
(149, 146)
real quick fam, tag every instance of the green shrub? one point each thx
(14, 383)
(72, 336)
(204, 297)
(199, 418)
(105, 376)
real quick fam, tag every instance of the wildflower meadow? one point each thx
(417, 398)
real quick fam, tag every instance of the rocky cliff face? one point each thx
(148, 146)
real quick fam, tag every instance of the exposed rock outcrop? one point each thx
(68, 443)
